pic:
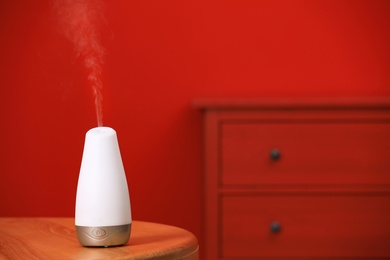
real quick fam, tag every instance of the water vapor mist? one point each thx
(80, 20)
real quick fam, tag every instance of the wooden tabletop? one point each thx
(55, 238)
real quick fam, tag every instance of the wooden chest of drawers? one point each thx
(296, 179)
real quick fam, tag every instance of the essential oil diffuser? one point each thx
(103, 213)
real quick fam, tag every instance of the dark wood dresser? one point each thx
(296, 179)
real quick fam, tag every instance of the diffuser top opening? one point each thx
(101, 130)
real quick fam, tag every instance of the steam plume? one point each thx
(80, 21)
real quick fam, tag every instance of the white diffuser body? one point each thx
(103, 211)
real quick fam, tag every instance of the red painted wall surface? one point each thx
(159, 56)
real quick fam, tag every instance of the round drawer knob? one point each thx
(275, 227)
(274, 154)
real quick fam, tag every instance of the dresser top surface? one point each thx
(275, 103)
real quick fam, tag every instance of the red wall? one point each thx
(159, 56)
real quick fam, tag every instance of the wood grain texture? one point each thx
(55, 238)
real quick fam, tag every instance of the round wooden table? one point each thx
(55, 238)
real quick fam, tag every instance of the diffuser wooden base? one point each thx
(55, 238)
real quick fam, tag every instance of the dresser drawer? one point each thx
(305, 152)
(310, 225)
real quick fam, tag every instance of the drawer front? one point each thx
(305, 153)
(309, 226)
